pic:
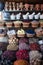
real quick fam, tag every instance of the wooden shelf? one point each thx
(24, 11)
(23, 20)
(26, 1)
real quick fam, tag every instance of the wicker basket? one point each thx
(3, 46)
(9, 24)
(20, 35)
(38, 34)
(29, 35)
(2, 35)
(41, 24)
(1, 24)
(26, 24)
(37, 62)
(11, 35)
(35, 24)
(17, 25)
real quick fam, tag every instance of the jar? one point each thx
(37, 7)
(41, 7)
(6, 15)
(21, 6)
(31, 7)
(12, 17)
(26, 6)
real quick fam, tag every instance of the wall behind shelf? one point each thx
(28, 1)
